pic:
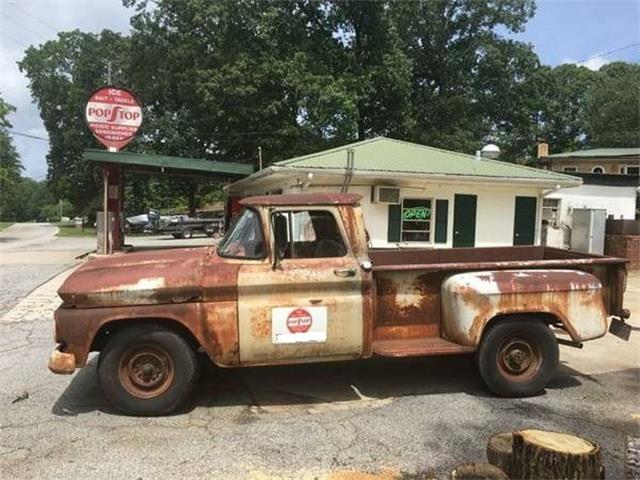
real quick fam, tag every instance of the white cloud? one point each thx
(24, 23)
(593, 63)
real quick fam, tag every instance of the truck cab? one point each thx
(294, 280)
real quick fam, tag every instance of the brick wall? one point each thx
(624, 246)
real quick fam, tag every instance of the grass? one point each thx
(4, 225)
(69, 230)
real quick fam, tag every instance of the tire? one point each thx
(186, 233)
(518, 358)
(147, 370)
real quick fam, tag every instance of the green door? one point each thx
(524, 223)
(464, 220)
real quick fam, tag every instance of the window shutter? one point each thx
(393, 225)
(442, 218)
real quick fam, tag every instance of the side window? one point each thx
(307, 234)
(244, 239)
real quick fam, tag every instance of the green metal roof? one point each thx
(177, 165)
(382, 154)
(599, 153)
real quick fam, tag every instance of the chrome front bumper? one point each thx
(61, 361)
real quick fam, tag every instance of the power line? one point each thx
(13, 39)
(28, 14)
(606, 54)
(25, 27)
(28, 135)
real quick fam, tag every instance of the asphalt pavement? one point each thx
(415, 416)
(31, 254)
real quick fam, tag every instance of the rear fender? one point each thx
(470, 300)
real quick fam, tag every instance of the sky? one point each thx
(589, 32)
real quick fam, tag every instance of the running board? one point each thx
(418, 347)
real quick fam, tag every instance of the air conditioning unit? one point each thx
(388, 195)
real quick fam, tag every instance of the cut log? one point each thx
(500, 451)
(551, 455)
(478, 471)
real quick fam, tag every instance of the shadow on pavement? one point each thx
(313, 384)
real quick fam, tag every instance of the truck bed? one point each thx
(490, 258)
(408, 281)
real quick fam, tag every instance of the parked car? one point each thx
(294, 281)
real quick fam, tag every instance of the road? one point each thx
(31, 254)
(305, 421)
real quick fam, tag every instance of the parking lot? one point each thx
(382, 416)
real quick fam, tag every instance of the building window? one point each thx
(599, 170)
(570, 169)
(416, 220)
(630, 170)
(551, 211)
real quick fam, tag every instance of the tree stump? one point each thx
(550, 455)
(500, 451)
(478, 471)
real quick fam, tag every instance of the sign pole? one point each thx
(105, 210)
(114, 116)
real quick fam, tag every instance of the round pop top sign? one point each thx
(114, 116)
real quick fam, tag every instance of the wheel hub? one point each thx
(146, 372)
(518, 357)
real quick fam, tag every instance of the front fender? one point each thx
(470, 300)
(214, 326)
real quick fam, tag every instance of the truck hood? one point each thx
(144, 278)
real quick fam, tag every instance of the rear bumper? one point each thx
(62, 362)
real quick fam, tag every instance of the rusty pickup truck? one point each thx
(294, 280)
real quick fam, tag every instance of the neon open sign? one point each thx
(416, 213)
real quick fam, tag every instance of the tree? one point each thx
(463, 78)
(62, 73)
(614, 108)
(10, 166)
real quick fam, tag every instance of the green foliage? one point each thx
(51, 211)
(62, 73)
(10, 165)
(614, 108)
(217, 79)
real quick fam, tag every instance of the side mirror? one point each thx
(366, 264)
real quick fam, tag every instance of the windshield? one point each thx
(244, 239)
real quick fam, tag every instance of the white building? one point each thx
(617, 194)
(418, 196)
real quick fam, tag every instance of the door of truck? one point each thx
(306, 304)
(464, 220)
(524, 222)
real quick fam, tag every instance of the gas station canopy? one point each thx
(113, 164)
(179, 166)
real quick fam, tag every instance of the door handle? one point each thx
(345, 272)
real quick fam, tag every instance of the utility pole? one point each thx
(259, 158)
(60, 209)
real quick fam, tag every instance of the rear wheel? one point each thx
(147, 370)
(187, 233)
(518, 358)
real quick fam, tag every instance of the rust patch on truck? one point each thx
(408, 298)
(572, 297)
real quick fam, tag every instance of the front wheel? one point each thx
(518, 358)
(147, 370)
